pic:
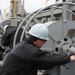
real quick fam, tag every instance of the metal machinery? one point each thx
(61, 32)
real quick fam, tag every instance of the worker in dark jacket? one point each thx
(8, 37)
(27, 57)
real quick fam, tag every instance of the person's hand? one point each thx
(72, 58)
(40, 72)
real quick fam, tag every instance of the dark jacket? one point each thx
(1, 52)
(2, 49)
(26, 59)
(8, 36)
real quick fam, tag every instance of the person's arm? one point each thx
(5, 39)
(2, 49)
(45, 60)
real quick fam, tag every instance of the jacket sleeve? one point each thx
(2, 49)
(45, 60)
(5, 39)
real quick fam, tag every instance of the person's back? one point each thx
(23, 56)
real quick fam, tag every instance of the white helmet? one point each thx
(5, 27)
(39, 31)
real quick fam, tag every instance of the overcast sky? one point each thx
(30, 5)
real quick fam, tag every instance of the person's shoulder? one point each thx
(18, 46)
(20, 43)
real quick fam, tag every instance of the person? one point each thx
(27, 57)
(8, 37)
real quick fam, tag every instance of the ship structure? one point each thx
(60, 20)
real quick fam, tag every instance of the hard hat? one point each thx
(5, 27)
(39, 31)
